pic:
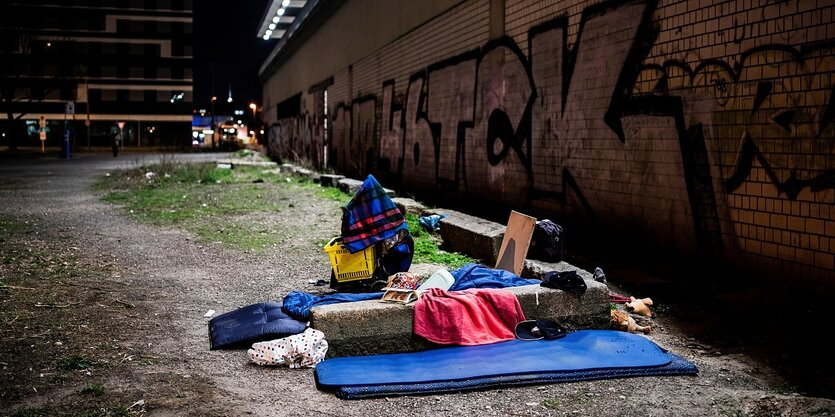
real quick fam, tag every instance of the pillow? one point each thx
(250, 324)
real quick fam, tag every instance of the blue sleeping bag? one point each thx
(250, 324)
(479, 276)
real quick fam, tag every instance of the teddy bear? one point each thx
(639, 306)
(621, 320)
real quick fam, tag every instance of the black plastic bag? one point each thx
(548, 242)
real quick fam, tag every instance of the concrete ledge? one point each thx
(351, 186)
(372, 327)
(470, 235)
(408, 205)
(330, 180)
(538, 269)
(248, 163)
(288, 168)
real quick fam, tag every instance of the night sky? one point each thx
(228, 50)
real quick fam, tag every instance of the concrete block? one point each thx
(423, 271)
(538, 269)
(408, 205)
(247, 162)
(330, 180)
(287, 168)
(590, 310)
(470, 235)
(351, 186)
(372, 327)
(367, 328)
(304, 172)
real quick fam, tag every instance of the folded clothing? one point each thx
(469, 317)
(253, 323)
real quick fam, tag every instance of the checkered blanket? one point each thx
(370, 217)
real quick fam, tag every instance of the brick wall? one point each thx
(706, 126)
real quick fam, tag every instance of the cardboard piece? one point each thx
(515, 243)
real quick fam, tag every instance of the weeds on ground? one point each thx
(31, 412)
(551, 403)
(426, 247)
(72, 363)
(114, 411)
(229, 206)
(219, 204)
(94, 389)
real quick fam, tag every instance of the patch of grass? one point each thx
(426, 247)
(30, 412)
(9, 226)
(785, 389)
(820, 410)
(216, 204)
(335, 194)
(95, 389)
(71, 363)
(238, 233)
(551, 403)
(242, 153)
(115, 411)
(57, 379)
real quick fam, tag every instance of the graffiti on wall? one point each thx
(781, 102)
(601, 130)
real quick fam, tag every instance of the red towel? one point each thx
(469, 317)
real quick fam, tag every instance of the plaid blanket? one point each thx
(370, 217)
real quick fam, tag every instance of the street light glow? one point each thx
(265, 37)
(285, 3)
(272, 26)
(280, 11)
(275, 19)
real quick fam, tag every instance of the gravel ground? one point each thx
(169, 280)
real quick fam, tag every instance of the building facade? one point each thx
(100, 67)
(702, 126)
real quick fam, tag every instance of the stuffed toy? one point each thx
(621, 320)
(639, 306)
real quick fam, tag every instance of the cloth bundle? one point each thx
(299, 350)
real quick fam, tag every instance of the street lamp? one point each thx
(253, 107)
(214, 99)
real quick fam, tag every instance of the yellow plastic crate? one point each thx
(347, 266)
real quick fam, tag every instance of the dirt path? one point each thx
(136, 308)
